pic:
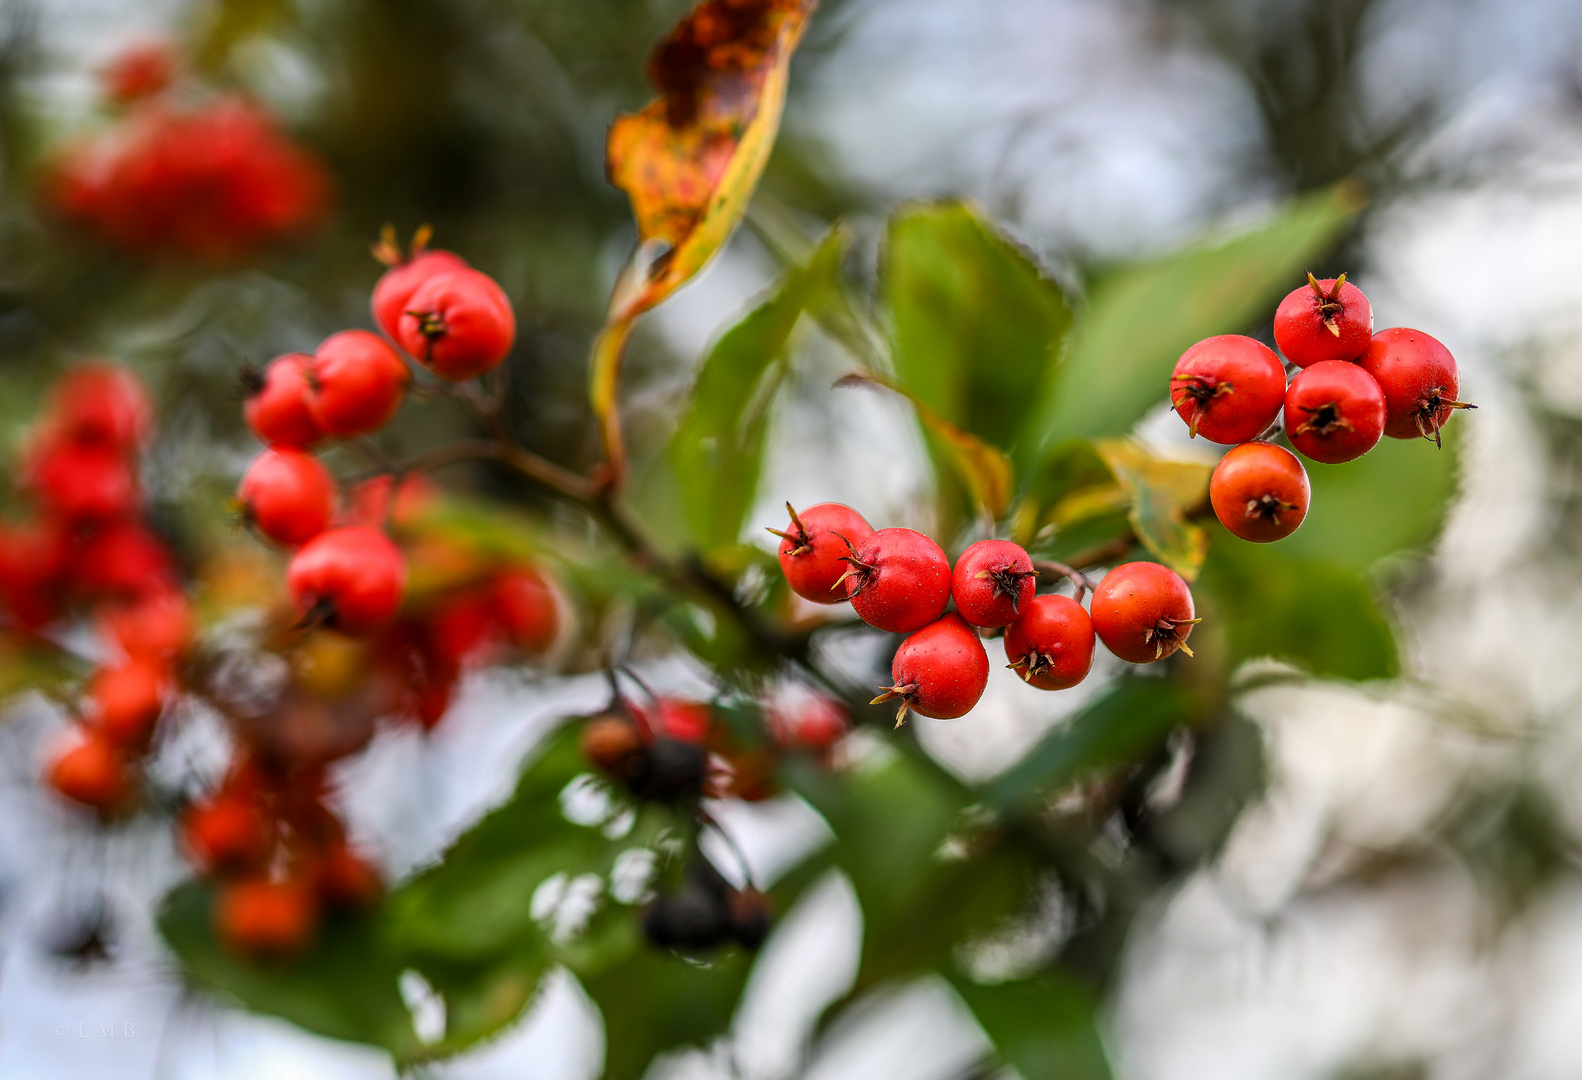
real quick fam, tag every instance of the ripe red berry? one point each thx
(526, 608)
(227, 832)
(154, 625)
(992, 582)
(139, 71)
(266, 918)
(939, 671)
(1334, 412)
(346, 879)
(1142, 611)
(1323, 320)
(92, 771)
(288, 495)
(378, 501)
(1259, 492)
(399, 282)
(82, 481)
(34, 558)
(122, 559)
(103, 404)
(125, 701)
(899, 580)
(1051, 643)
(813, 550)
(1228, 388)
(459, 324)
(351, 579)
(672, 718)
(355, 384)
(277, 402)
(1419, 380)
(811, 723)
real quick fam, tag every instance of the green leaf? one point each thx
(1046, 1028)
(976, 324)
(1391, 499)
(986, 471)
(1133, 717)
(344, 987)
(1268, 602)
(717, 451)
(1141, 318)
(1162, 492)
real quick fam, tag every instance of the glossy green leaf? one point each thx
(653, 1002)
(1141, 318)
(717, 451)
(976, 324)
(345, 987)
(1270, 602)
(1133, 717)
(1391, 499)
(1162, 492)
(1047, 1029)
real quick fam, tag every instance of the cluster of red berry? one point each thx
(901, 581)
(678, 751)
(215, 181)
(1353, 387)
(89, 551)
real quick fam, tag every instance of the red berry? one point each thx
(900, 580)
(124, 702)
(1323, 320)
(813, 723)
(461, 627)
(813, 551)
(459, 324)
(351, 579)
(102, 404)
(1143, 612)
(228, 832)
(369, 503)
(355, 384)
(1051, 643)
(121, 559)
(1259, 492)
(277, 402)
(139, 71)
(288, 495)
(399, 282)
(1228, 388)
(526, 609)
(1419, 380)
(670, 718)
(992, 582)
(939, 671)
(266, 918)
(92, 771)
(155, 625)
(82, 481)
(1334, 412)
(33, 564)
(346, 879)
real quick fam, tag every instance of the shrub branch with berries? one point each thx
(374, 584)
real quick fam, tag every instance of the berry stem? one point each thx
(1082, 582)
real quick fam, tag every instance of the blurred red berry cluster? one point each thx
(215, 181)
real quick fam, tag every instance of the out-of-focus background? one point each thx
(1404, 900)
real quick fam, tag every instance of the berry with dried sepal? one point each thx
(899, 580)
(287, 495)
(1228, 388)
(813, 550)
(1142, 611)
(1259, 492)
(355, 384)
(1323, 320)
(1334, 412)
(406, 276)
(1050, 645)
(351, 579)
(992, 582)
(276, 406)
(266, 919)
(940, 671)
(1419, 380)
(459, 324)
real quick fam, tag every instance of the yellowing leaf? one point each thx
(986, 470)
(1162, 492)
(690, 160)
